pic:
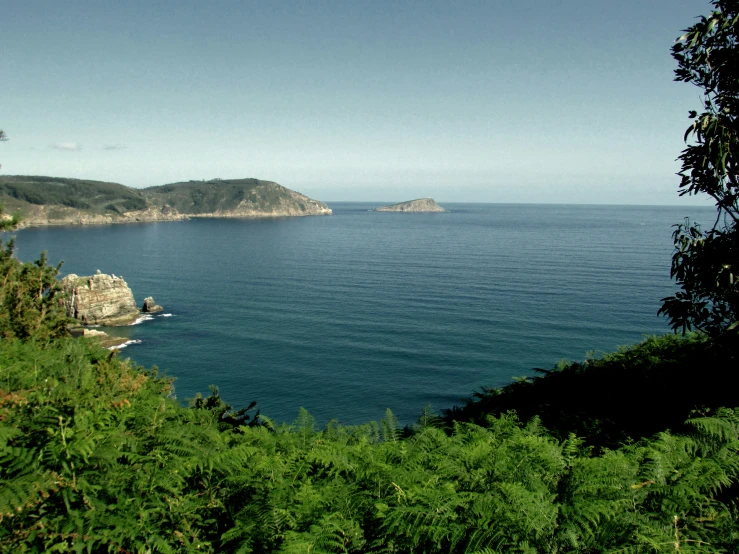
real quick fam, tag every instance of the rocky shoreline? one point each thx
(99, 299)
(54, 216)
(102, 300)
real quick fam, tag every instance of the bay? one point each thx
(361, 311)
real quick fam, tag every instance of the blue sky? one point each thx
(567, 101)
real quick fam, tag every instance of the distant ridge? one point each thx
(418, 205)
(63, 201)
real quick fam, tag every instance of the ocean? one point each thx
(350, 314)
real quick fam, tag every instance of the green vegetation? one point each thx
(196, 197)
(95, 196)
(637, 451)
(95, 457)
(627, 395)
(22, 193)
(705, 263)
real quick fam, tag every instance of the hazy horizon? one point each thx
(691, 201)
(489, 102)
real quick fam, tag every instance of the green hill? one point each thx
(16, 191)
(223, 195)
(59, 201)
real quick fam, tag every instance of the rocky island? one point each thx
(45, 201)
(150, 306)
(418, 205)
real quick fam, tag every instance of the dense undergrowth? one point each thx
(630, 394)
(95, 457)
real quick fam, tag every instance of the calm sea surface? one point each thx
(351, 314)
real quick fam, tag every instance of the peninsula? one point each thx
(419, 205)
(45, 201)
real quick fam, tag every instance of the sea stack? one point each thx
(99, 299)
(150, 306)
(419, 205)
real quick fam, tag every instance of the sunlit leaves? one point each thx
(80, 468)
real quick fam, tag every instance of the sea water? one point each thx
(350, 314)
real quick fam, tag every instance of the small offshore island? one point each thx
(43, 201)
(419, 205)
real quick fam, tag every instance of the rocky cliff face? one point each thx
(419, 205)
(99, 300)
(41, 216)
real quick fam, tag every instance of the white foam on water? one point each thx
(142, 319)
(121, 346)
(166, 315)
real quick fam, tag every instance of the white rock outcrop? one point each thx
(99, 299)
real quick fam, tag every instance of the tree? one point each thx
(6, 224)
(706, 262)
(30, 292)
(3, 138)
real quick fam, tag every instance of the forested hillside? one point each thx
(18, 190)
(195, 197)
(60, 201)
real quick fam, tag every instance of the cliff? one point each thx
(45, 215)
(59, 201)
(99, 300)
(419, 205)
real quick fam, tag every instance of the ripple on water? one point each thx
(351, 314)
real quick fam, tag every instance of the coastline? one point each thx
(132, 218)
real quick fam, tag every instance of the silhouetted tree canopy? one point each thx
(705, 261)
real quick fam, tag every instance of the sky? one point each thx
(548, 101)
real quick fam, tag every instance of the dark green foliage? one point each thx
(95, 457)
(226, 417)
(705, 262)
(196, 197)
(73, 193)
(704, 267)
(30, 299)
(626, 395)
(192, 198)
(29, 295)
